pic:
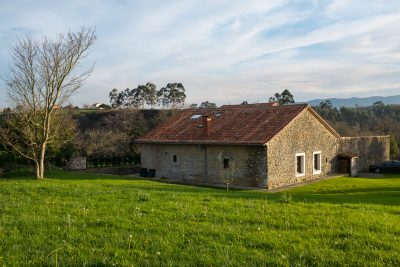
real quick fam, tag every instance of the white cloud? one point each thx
(226, 51)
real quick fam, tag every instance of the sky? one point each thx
(223, 51)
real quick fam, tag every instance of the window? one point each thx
(300, 164)
(317, 162)
(226, 163)
(174, 158)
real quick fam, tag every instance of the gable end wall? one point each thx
(304, 134)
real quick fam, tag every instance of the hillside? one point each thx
(73, 219)
(360, 101)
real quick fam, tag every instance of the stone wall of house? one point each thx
(247, 162)
(369, 149)
(305, 134)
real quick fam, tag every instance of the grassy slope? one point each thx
(77, 219)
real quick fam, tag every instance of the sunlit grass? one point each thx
(91, 219)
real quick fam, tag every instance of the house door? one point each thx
(344, 165)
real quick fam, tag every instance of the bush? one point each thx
(17, 170)
(394, 149)
(5, 157)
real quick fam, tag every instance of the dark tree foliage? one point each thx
(378, 103)
(378, 119)
(207, 104)
(111, 133)
(394, 147)
(114, 98)
(6, 110)
(282, 99)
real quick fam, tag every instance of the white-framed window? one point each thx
(316, 162)
(300, 164)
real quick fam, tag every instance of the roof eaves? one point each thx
(199, 143)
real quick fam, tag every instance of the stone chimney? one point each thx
(206, 126)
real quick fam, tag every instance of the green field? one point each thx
(97, 220)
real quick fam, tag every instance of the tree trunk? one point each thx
(40, 174)
(37, 169)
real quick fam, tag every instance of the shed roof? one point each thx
(233, 125)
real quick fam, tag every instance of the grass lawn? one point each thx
(98, 220)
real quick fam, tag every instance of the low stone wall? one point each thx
(77, 163)
(370, 149)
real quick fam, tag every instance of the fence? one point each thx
(96, 162)
(92, 162)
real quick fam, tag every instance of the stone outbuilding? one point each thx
(259, 145)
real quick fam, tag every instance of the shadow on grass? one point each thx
(68, 175)
(18, 178)
(384, 197)
(380, 195)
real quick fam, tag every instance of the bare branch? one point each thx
(44, 74)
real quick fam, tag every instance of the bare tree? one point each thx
(227, 174)
(43, 76)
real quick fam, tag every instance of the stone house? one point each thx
(263, 145)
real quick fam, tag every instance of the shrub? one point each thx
(286, 198)
(13, 170)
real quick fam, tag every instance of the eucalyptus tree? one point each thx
(207, 104)
(284, 98)
(151, 94)
(173, 95)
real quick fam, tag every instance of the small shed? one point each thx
(348, 163)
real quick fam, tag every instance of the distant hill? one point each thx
(361, 101)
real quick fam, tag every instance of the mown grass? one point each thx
(99, 220)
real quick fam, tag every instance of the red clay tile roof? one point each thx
(255, 105)
(251, 125)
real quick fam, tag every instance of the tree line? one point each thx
(170, 96)
(378, 119)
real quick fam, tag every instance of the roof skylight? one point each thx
(195, 117)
